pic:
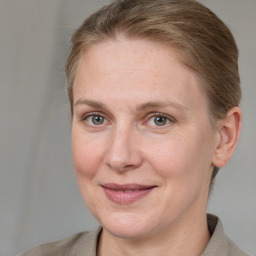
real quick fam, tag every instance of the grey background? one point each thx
(39, 198)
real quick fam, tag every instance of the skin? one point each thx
(124, 84)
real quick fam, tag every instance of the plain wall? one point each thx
(39, 197)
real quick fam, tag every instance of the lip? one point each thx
(126, 193)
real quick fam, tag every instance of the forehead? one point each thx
(130, 51)
(135, 66)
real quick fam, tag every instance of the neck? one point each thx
(189, 239)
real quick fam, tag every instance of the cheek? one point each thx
(185, 176)
(169, 156)
(87, 155)
(181, 158)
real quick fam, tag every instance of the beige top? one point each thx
(85, 244)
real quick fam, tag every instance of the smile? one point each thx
(125, 194)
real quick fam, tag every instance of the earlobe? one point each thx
(228, 133)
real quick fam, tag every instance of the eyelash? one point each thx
(92, 114)
(150, 116)
(169, 119)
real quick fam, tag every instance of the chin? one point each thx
(128, 226)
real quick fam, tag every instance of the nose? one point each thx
(123, 152)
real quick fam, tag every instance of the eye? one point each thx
(159, 120)
(95, 119)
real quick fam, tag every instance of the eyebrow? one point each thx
(144, 106)
(155, 104)
(91, 103)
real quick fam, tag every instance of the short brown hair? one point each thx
(204, 43)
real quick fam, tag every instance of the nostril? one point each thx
(127, 167)
(121, 167)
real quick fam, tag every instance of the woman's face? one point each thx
(142, 140)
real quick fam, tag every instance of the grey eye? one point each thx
(160, 120)
(96, 120)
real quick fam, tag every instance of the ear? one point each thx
(228, 133)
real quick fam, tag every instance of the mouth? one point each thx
(127, 193)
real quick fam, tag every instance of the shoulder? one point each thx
(219, 243)
(84, 243)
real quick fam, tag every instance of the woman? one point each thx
(154, 91)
